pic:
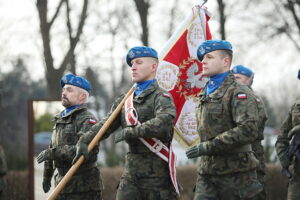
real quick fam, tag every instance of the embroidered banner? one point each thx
(179, 72)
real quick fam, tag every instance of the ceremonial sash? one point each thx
(153, 144)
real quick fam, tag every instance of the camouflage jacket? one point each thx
(3, 169)
(283, 139)
(66, 132)
(227, 123)
(262, 116)
(156, 112)
(257, 146)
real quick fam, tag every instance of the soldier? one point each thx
(148, 116)
(70, 124)
(227, 125)
(289, 153)
(3, 170)
(244, 76)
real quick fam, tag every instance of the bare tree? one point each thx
(54, 74)
(172, 17)
(222, 18)
(288, 11)
(143, 8)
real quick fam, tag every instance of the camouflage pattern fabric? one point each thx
(238, 186)
(227, 124)
(293, 188)
(282, 144)
(66, 132)
(144, 172)
(94, 195)
(3, 169)
(258, 148)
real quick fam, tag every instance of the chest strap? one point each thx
(153, 144)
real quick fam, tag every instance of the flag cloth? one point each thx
(180, 73)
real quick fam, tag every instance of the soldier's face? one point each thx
(214, 63)
(70, 96)
(143, 69)
(242, 79)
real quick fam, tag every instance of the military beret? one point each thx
(240, 69)
(137, 52)
(212, 45)
(71, 79)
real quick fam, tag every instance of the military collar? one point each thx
(148, 91)
(223, 87)
(218, 93)
(80, 107)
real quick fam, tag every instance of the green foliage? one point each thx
(43, 123)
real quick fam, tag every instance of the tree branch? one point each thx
(286, 27)
(56, 13)
(69, 26)
(291, 7)
(75, 40)
(42, 6)
(143, 7)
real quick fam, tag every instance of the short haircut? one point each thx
(226, 53)
(155, 60)
(81, 90)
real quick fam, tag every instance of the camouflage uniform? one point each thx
(258, 148)
(227, 125)
(146, 176)
(282, 144)
(3, 170)
(86, 182)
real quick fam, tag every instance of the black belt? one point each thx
(63, 171)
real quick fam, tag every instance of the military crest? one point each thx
(131, 54)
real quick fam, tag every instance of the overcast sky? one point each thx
(273, 62)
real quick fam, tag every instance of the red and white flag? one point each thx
(180, 73)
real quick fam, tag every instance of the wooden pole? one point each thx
(93, 143)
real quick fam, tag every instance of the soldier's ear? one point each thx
(154, 66)
(82, 97)
(227, 60)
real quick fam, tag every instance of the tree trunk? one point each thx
(222, 19)
(143, 7)
(54, 75)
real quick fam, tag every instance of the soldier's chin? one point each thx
(135, 80)
(66, 104)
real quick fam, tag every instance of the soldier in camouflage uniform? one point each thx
(3, 170)
(70, 124)
(245, 76)
(227, 125)
(146, 176)
(289, 129)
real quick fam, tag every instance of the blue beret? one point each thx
(299, 74)
(71, 79)
(240, 69)
(137, 52)
(212, 45)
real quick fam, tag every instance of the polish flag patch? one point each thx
(92, 121)
(242, 96)
(166, 95)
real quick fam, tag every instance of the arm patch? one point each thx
(92, 121)
(166, 95)
(241, 96)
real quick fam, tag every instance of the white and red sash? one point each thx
(153, 144)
